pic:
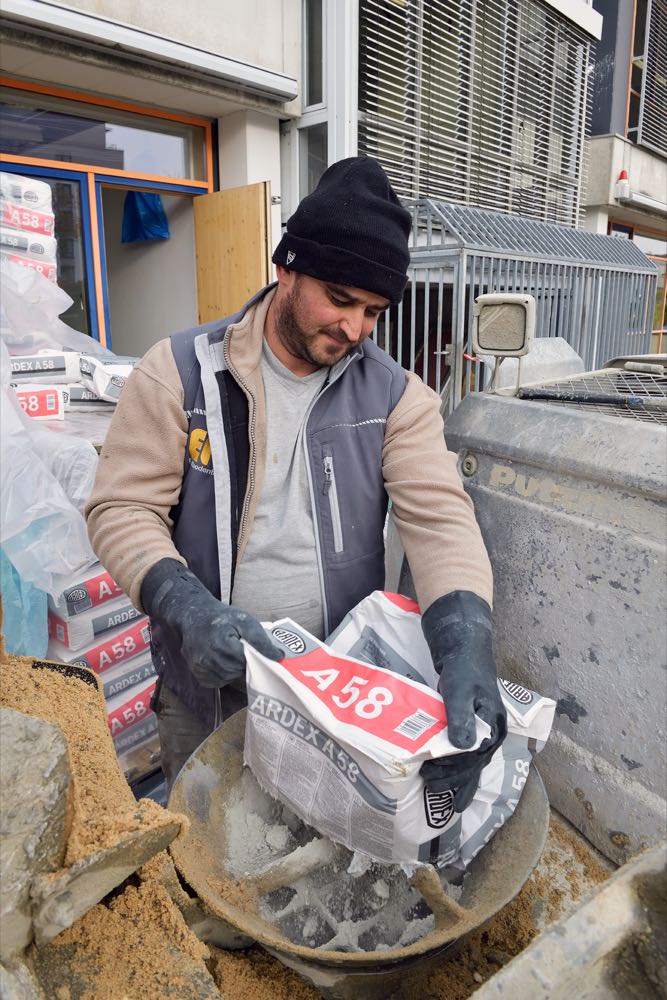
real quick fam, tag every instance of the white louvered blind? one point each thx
(481, 102)
(653, 109)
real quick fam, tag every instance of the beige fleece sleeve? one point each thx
(139, 473)
(433, 514)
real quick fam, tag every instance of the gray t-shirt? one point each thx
(278, 576)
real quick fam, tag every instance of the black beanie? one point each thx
(352, 230)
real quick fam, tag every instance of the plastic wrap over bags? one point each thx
(46, 479)
(72, 461)
(339, 730)
(30, 307)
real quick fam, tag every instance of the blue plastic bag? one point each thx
(24, 613)
(144, 218)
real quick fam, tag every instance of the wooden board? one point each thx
(232, 243)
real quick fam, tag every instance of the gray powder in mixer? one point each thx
(324, 906)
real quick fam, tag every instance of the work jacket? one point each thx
(343, 440)
(218, 426)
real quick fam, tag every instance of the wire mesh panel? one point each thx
(616, 392)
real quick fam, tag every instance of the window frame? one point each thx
(88, 229)
(318, 105)
(630, 229)
(93, 179)
(340, 28)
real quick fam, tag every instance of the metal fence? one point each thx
(596, 292)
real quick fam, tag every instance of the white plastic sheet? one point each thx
(46, 478)
(30, 308)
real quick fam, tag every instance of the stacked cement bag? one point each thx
(50, 382)
(40, 382)
(27, 224)
(104, 377)
(93, 624)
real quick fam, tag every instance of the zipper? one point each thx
(332, 492)
(318, 548)
(253, 449)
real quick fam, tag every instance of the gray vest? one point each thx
(345, 431)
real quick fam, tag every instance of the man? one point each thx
(246, 471)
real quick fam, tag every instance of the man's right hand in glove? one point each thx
(209, 632)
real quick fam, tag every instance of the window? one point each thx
(49, 128)
(51, 237)
(79, 145)
(647, 117)
(314, 77)
(312, 157)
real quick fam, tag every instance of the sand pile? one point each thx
(134, 946)
(102, 808)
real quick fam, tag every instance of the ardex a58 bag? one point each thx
(339, 731)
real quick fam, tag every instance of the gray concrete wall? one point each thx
(266, 34)
(647, 175)
(152, 285)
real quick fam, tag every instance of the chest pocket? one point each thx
(331, 490)
(349, 491)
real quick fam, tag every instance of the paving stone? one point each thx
(34, 783)
(59, 901)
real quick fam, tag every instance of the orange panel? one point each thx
(87, 168)
(102, 102)
(97, 263)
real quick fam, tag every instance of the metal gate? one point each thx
(596, 292)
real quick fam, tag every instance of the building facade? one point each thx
(101, 99)
(232, 113)
(626, 193)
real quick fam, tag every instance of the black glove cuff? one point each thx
(458, 621)
(152, 587)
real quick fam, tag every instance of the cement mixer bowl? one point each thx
(208, 787)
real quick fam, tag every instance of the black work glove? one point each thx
(209, 632)
(457, 628)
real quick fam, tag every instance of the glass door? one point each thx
(54, 239)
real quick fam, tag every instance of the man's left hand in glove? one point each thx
(457, 628)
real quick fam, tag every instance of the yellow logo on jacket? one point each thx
(199, 447)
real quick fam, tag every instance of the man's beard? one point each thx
(312, 347)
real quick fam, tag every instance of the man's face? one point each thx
(319, 322)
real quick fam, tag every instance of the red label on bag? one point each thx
(404, 603)
(380, 703)
(42, 404)
(48, 270)
(28, 219)
(122, 646)
(133, 710)
(58, 629)
(90, 593)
